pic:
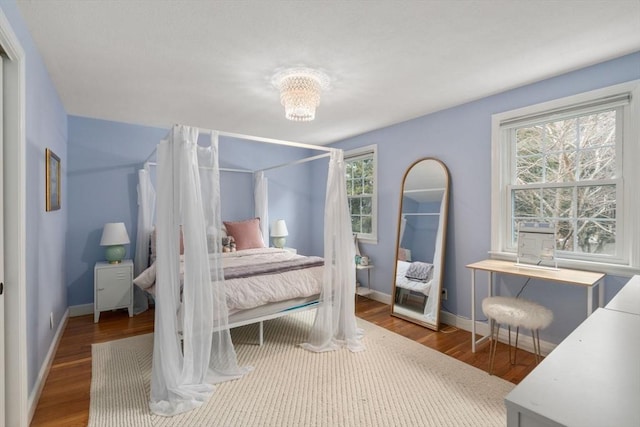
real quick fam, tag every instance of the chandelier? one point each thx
(300, 89)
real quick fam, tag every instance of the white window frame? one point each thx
(354, 155)
(628, 201)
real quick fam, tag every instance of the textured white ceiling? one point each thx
(209, 63)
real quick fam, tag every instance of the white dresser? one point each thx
(592, 378)
(112, 287)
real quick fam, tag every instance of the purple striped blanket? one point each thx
(272, 267)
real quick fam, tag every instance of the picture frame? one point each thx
(52, 173)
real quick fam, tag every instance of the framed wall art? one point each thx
(52, 172)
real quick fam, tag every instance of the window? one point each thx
(562, 162)
(362, 190)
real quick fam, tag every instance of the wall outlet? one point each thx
(51, 320)
(444, 294)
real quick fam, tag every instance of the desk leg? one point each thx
(601, 293)
(600, 285)
(490, 284)
(473, 310)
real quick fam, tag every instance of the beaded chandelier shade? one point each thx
(300, 90)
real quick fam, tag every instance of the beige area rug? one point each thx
(395, 382)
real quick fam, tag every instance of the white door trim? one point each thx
(2, 320)
(15, 320)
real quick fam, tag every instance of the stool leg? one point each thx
(509, 337)
(494, 344)
(536, 344)
(491, 326)
(515, 351)
(509, 343)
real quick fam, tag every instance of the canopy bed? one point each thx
(192, 344)
(261, 283)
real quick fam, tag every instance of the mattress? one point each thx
(250, 292)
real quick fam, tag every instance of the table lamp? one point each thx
(114, 237)
(279, 233)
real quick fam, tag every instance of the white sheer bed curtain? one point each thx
(335, 322)
(146, 208)
(403, 226)
(182, 379)
(261, 203)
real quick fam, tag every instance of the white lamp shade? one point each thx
(279, 229)
(114, 233)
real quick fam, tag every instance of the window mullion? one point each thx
(595, 183)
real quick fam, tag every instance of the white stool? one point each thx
(518, 313)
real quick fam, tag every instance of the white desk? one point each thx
(591, 379)
(587, 279)
(628, 299)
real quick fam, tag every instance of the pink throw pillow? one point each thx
(247, 233)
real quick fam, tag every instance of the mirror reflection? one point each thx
(422, 226)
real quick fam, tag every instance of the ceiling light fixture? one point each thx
(300, 89)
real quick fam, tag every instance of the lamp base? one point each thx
(279, 242)
(114, 254)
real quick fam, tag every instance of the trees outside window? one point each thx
(565, 172)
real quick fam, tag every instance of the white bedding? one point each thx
(412, 285)
(250, 292)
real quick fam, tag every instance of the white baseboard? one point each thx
(80, 310)
(34, 397)
(378, 296)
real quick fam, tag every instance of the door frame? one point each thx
(15, 321)
(2, 320)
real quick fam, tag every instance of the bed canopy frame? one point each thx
(260, 188)
(190, 357)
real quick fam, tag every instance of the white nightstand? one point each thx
(361, 290)
(112, 287)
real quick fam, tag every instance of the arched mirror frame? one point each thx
(444, 219)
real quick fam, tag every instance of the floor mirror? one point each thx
(420, 245)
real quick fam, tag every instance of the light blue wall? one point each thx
(289, 195)
(461, 138)
(423, 231)
(420, 230)
(104, 158)
(46, 127)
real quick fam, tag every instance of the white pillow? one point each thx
(147, 278)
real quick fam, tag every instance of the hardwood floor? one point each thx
(65, 397)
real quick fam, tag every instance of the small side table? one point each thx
(361, 290)
(112, 287)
